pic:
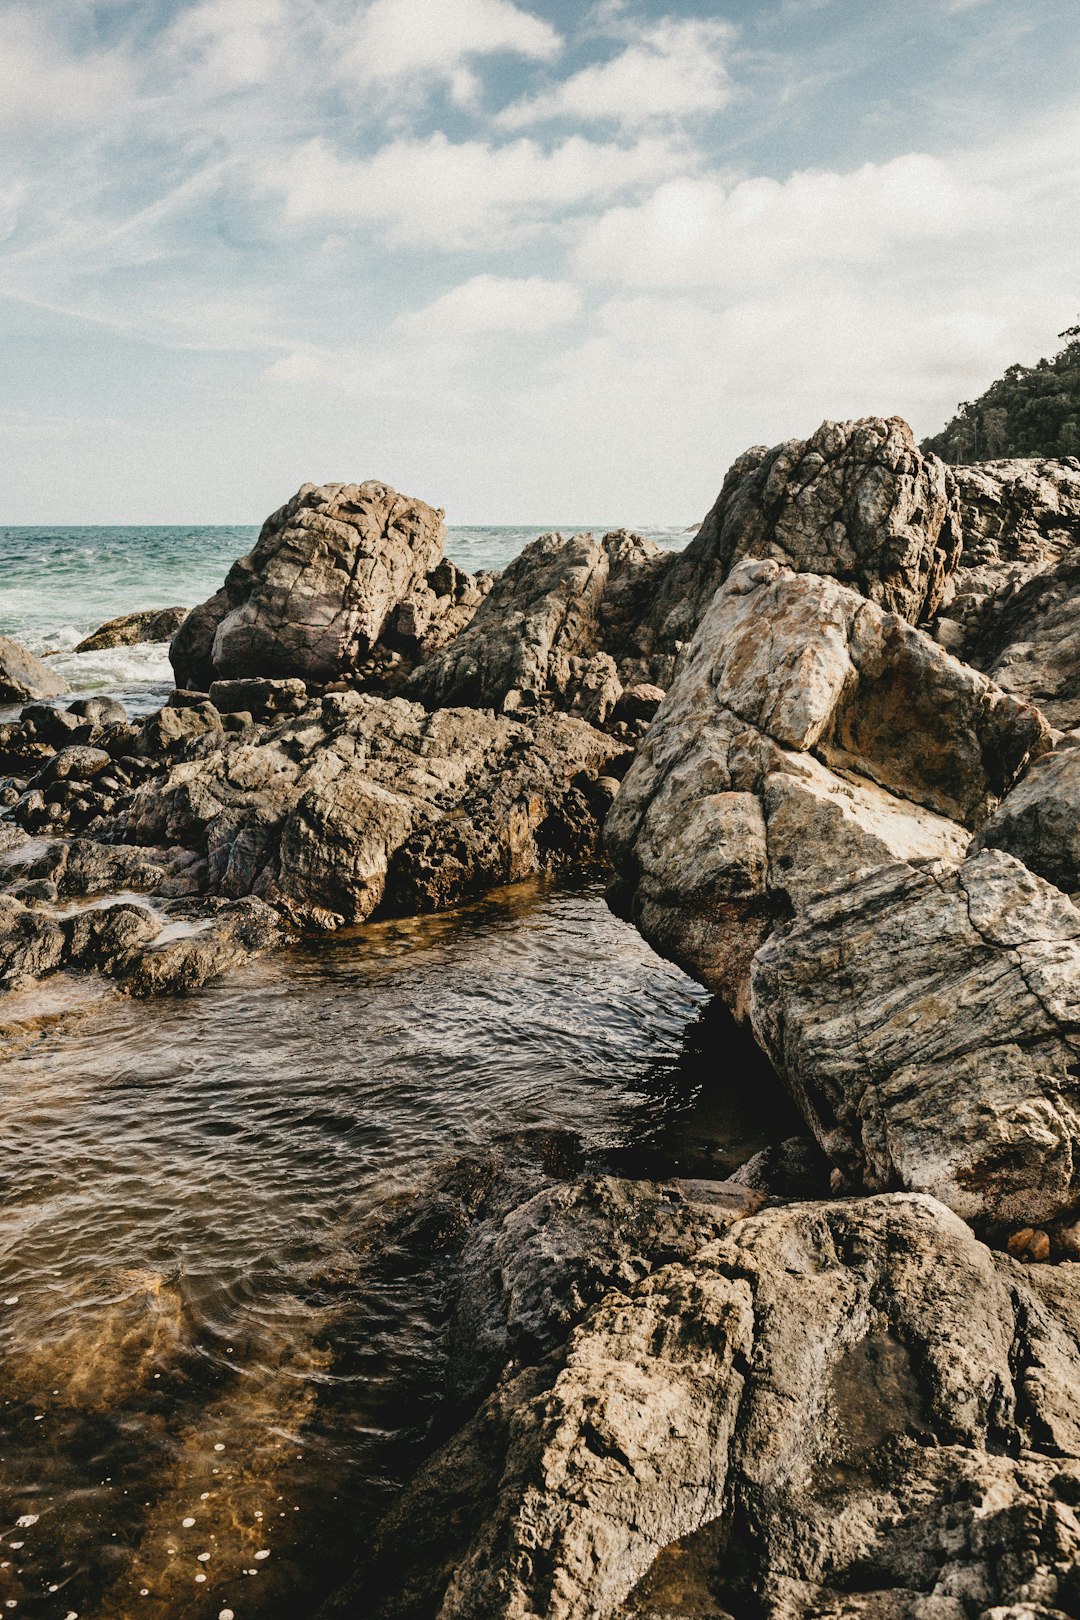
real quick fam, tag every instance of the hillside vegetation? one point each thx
(1030, 411)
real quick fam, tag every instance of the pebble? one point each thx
(219, 1446)
(27, 1520)
(187, 1523)
(226, 1614)
(204, 1558)
(200, 1576)
(265, 1553)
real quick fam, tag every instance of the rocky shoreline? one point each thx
(828, 753)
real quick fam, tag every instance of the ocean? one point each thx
(59, 584)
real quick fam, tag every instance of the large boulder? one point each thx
(560, 627)
(926, 1020)
(1028, 640)
(851, 1408)
(809, 736)
(24, 676)
(856, 501)
(327, 575)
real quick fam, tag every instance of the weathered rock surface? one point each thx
(856, 501)
(150, 624)
(175, 947)
(1029, 642)
(927, 1022)
(23, 675)
(562, 624)
(1039, 821)
(835, 1408)
(1018, 519)
(809, 736)
(362, 801)
(328, 574)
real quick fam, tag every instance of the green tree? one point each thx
(1029, 411)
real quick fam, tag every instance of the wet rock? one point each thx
(782, 763)
(43, 723)
(926, 1020)
(151, 624)
(311, 600)
(31, 944)
(361, 802)
(98, 711)
(856, 501)
(848, 1403)
(201, 944)
(793, 1168)
(23, 675)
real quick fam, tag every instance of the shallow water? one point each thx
(189, 1329)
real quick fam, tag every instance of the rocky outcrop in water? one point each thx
(843, 1408)
(334, 571)
(23, 675)
(150, 624)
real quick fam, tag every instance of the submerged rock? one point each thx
(23, 675)
(150, 624)
(324, 581)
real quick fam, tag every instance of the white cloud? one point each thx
(495, 304)
(394, 41)
(41, 84)
(461, 195)
(673, 71)
(700, 233)
(234, 42)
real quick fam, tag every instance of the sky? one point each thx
(543, 262)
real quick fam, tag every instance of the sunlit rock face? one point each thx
(328, 572)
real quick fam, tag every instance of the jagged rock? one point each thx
(258, 697)
(855, 501)
(362, 801)
(1029, 641)
(170, 728)
(151, 624)
(23, 675)
(927, 1022)
(808, 736)
(329, 571)
(554, 628)
(1039, 821)
(820, 1406)
(1018, 519)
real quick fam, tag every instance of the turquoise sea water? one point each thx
(58, 584)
